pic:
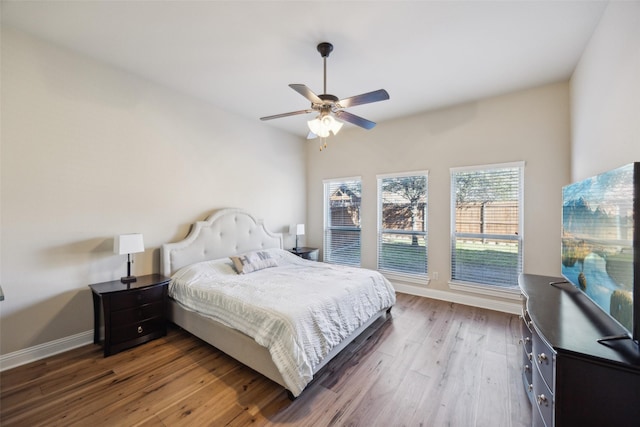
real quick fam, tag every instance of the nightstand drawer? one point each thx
(131, 299)
(138, 314)
(137, 330)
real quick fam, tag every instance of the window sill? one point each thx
(512, 293)
(405, 278)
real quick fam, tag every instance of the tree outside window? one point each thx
(402, 227)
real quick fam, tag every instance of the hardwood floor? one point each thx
(432, 363)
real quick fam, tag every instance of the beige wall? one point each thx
(88, 152)
(605, 94)
(530, 126)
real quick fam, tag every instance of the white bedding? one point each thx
(299, 310)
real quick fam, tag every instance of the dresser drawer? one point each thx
(526, 348)
(157, 325)
(527, 371)
(122, 300)
(526, 336)
(536, 418)
(138, 314)
(542, 398)
(543, 358)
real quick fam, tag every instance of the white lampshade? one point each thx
(322, 126)
(128, 244)
(297, 229)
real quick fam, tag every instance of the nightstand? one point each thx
(134, 313)
(306, 253)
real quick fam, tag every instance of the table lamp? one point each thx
(298, 230)
(128, 244)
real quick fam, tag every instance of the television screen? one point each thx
(598, 241)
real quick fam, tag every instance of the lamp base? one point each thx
(128, 279)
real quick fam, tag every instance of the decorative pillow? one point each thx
(253, 261)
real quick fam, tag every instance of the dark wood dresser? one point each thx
(571, 378)
(134, 313)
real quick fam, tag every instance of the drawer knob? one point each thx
(542, 357)
(527, 340)
(139, 329)
(527, 368)
(542, 399)
(530, 356)
(530, 387)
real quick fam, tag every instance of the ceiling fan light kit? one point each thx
(323, 126)
(331, 107)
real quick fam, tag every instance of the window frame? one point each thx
(421, 278)
(326, 250)
(488, 288)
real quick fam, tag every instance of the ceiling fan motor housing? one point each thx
(325, 49)
(328, 103)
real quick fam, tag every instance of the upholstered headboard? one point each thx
(226, 232)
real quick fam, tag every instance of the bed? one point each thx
(235, 287)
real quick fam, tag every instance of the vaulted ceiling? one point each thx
(241, 55)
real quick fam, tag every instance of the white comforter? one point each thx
(299, 310)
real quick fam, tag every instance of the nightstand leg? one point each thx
(96, 318)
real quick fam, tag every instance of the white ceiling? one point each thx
(241, 55)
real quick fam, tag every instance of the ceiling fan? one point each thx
(329, 106)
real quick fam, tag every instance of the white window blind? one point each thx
(486, 242)
(402, 223)
(342, 221)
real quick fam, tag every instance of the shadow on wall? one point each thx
(38, 324)
(61, 306)
(94, 261)
(95, 253)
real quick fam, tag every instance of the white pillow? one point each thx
(253, 261)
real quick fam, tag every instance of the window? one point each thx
(342, 221)
(486, 235)
(402, 223)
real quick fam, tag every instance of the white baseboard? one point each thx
(514, 307)
(31, 354)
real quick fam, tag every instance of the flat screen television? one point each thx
(601, 243)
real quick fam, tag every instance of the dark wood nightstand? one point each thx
(133, 313)
(306, 253)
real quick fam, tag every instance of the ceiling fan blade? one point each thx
(365, 98)
(306, 92)
(356, 120)
(293, 113)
